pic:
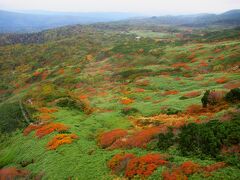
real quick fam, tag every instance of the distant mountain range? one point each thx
(36, 21)
(19, 22)
(231, 18)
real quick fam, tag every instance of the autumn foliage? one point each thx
(138, 139)
(188, 168)
(45, 117)
(61, 139)
(45, 129)
(47, 110)
(192, 94)
(214, 167)
(221, 80)
(175, 174)
(127, 101)
(171, 92)
(108, 138)
(49, 128)
(194, 109)
(12, 173)
(145, 165)
(131, 165)
(119, 162)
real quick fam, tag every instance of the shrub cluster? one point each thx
(203, 139)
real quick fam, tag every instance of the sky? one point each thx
(153, 7)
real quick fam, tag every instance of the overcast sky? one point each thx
(139, 6)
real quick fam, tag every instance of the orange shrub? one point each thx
(139, 139)
(61, 139)
(119, 162)
(203, 64)
(45, 117)
(199, 78)
(144, 166)
(221, 58)
(61, 71)
(30, 128)
(139, 90)
(127, 101)
(217, 50)
(37, 73)
(176, 174)
(83, 97)
(171, 92)
(214, 167)
(44, 75)
(221, 80)
(49, 128)
(193, 55)
(192, 94)
(12, 173)
(142, 83)
(77, 70)
(108, 138)
(232, 85)
(181, 65)
(190, 167)
(231, 150)
(194, 109)
(47, 110)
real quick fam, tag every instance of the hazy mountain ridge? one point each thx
(228, 18)
(12, 22)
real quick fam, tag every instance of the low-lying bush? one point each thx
(10, 117)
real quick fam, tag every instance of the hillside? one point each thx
(116, 101)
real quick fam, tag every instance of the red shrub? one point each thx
(83, 97)
(190, 167)
(45, 117)
(61, 139)
(30, 128)
(144, 165)
(203, 64)
(143, 83)
(214, 167)
(49, 128)
(127, 101)
(232, 85)
(221, 80)
(12, 173)
(176, 174)
(37, 73)
(108, 138)
(139, 139)
(61, 71)
(192, 56)
(192, 94)
(181, 65)
(217, 50)
(194, 109)
(139, 90)
(119, 162)
(47, 110)
(199, 78)
(44, 75)
(171, 92)
(231, 150)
